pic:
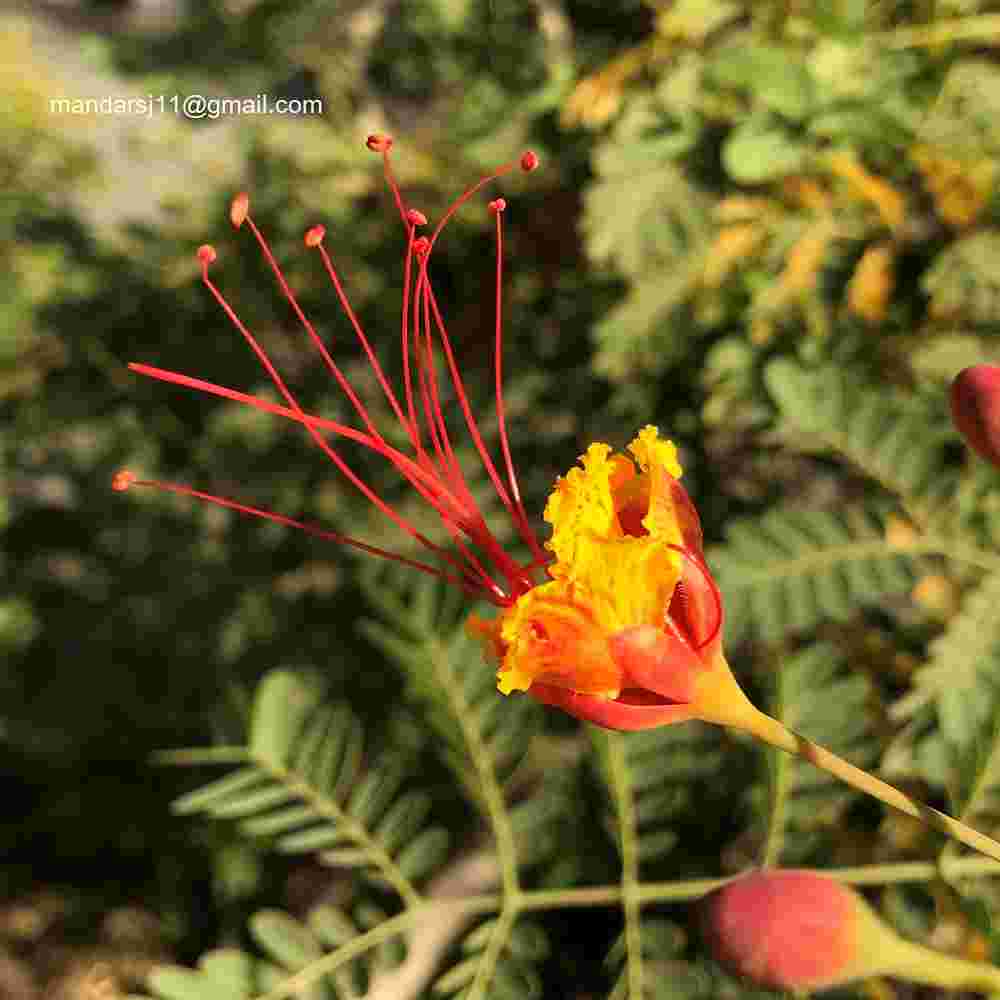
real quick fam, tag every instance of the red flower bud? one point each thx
(975, 409)
(786, 929)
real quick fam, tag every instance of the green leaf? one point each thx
(652, 778)
(646, 218)
(791, 570)
(249, 803)
(424, 853)
(952, 734)
(220, 791)
(279, 821)
(818, 696)
(231, 971)
(331, 925)
(286, 940)
(760, 150)
(775, 75)
(316, 838)
(963, 282)
(283, 703)
(171, 982)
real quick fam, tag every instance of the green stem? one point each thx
(621, 787)
(918, 964)
(771, 731)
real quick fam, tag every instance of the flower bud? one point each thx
(793, 929)
(975, 409)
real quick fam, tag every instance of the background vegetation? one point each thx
(769, 228)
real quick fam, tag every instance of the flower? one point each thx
(975, 409)
(626, 632)
(616, 619)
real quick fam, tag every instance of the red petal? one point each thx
(687, 517)
(696, 606)
(632, 711)
(652, 660)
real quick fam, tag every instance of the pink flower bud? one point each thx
(793, 929)
(975, 409)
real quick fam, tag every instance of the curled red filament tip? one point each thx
(497, 205)
(421, 245)
(529, 161)
(314, 236)
(379, 143)
(416, 217)
(239, 209)
(206, 254)
(122, 480)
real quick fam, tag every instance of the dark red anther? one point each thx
(122, 480)
(497, 205)
(379, 143)
(529, 161)
(421, 245)
(206, 253)
(415, 217)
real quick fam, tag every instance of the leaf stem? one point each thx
(776, 734)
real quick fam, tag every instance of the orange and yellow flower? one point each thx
(626, 630)
(616, 618)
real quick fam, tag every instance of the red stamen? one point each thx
(382, 144)
(339, 462)
(437, 479)
(520, 515)
(311, 331)
(129, 479)
(318, 232)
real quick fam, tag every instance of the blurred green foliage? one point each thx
(770, 228)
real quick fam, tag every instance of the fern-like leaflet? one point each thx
(791, 570)
(814, 694)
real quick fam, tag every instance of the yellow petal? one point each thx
(613, 525)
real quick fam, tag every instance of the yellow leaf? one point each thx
(960, 190)
(888, 202)
(871, 285)
(731, 246)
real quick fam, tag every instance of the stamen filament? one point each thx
(339, 462)
(434, 470)
(365, 343)
(334, 368)
(125, 480)
(519, 513)
(429, 487)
